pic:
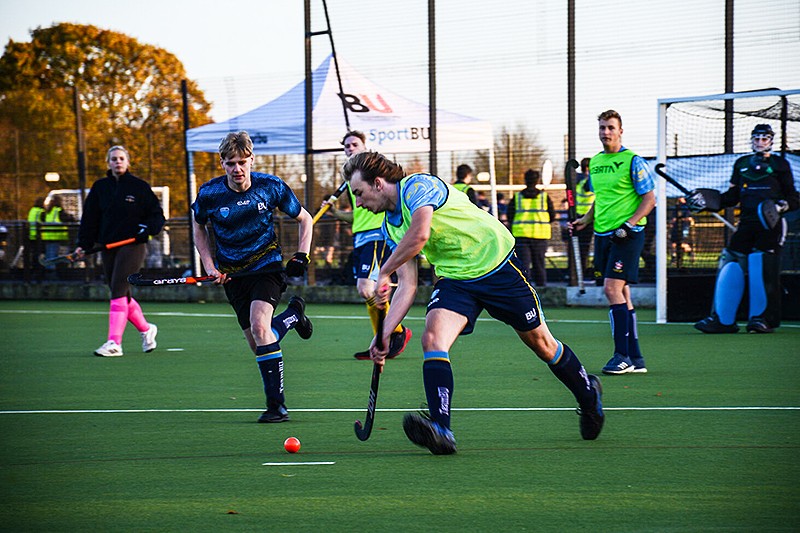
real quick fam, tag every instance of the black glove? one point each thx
(297, 265)
(142, 235)
(696, 201)
(622, 233)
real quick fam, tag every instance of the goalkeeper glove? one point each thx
(297, 265)
(142, 235)
(695, 201)
(622, 233)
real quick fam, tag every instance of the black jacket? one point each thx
(115, 207)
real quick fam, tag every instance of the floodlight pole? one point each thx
(432, 86)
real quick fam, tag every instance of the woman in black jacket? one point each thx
(120, 206)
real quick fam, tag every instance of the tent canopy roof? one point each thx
(391, 123)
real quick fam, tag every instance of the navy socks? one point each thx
(438, 378)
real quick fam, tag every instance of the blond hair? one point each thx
(234, 144)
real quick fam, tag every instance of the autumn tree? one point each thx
(515, 151)
(129, 93)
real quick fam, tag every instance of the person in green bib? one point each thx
(462, 183)
(472, 254)
(624, 195)
(369, 250)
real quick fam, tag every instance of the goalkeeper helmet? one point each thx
(761, 138)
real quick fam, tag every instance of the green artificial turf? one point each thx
(167, 441)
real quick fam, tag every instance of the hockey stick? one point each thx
(332, 198)
(363, 432)
(685, 191)
(572, 213)
(72, 257)
(138, 280)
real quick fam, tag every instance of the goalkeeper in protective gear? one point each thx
(763, 186)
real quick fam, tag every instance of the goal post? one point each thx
(699, 138)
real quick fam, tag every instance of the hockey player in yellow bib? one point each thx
(472, 254)
(369, 251)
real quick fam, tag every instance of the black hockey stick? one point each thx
(332, 198)
(139, 280)
(363, 432)
(72, 257)
(686, 192)
(572, 213)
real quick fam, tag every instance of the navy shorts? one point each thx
(504, 293)
(618, 260)
(368, 259)
(265, 287)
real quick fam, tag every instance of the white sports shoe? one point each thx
(149, 339)
(109, 349)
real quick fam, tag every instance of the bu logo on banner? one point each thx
(365, 104)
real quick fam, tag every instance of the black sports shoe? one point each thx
(362, 356)
(712, 324)
(272, 416)
(592, 419)
(757, 324)
(398, 342)
(304, 326)
(424, 432)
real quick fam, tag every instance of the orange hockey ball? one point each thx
(292, 445)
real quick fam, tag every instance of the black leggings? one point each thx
(120, 263)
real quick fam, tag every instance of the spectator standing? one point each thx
(529, 213)
(120, 206)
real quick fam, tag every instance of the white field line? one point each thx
(321, 317)
(392, 410)
(311, 463)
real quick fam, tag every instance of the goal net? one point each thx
(699, 140)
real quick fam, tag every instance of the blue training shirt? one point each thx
(244, 232)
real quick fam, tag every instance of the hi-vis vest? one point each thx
(531, 219)
(34, 219)
(461, 186)
(583, 200)
(52, 232)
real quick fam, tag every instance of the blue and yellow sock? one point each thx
(568, 369)
(437, 375)
(270, 363)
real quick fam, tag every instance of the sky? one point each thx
(504, 63)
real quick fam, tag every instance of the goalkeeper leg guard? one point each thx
(730, 286)
(765, 293)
